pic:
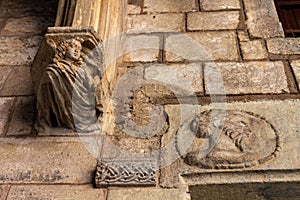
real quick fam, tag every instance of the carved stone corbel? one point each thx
(66, 74)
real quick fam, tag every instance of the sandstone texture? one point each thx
(147, 194)
(151, 6)
(6, 105)
(254, 50)
(137, 50)
(262, 20)
(168, 22)
(46, 161)
(17, 82)
(202, 46)
(18, 51)
(245, 78)
(213, 20)
(209, 5)
(76, 192)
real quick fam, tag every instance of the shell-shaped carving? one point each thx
(237, 139)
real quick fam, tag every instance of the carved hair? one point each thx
(60, 51)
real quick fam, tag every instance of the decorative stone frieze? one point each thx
(125, 172)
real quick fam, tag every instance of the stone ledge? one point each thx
(74, 192)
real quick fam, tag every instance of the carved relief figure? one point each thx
(68, 77)
(244, 140)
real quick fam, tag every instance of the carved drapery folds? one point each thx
(244, 140)
(66, 75)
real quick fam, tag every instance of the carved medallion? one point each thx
(125, 173)
(243, 139)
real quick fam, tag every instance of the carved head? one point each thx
(70, 50)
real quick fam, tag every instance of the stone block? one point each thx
(262, 19)
(6, 105)
(141, 48)
(17, 50)
(5, 72)
(147, 194)
(151, 6)
(22, 117)
(47, 160)
(202, 46)
(254, 50)
(4, 191)
(245, 78)
(168, 22)
(282, 116)
(224, 20)
(18, 82)
(182, 79)
(209, 5)
(134, 6)
(27, 26)
(74, 192)
(282, 48)
(26, 8)
(243, 36)
(296, 69)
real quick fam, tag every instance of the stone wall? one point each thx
(178, 54)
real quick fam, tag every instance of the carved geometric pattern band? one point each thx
(125, 173)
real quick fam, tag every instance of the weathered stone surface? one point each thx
(147, 194)
(27, 26)
(5, 72)
(243, 36)
(18, 51)
(262, 19)
(182, 79)
(213, 20)
(6, 104)
(220, 5)
(250, 191)
(18, 82)
(296, 68)
(133, 9)
(168, 22)
(243, 140)
(25, 8)
(284, 47)
(46, 160)
(22, 117)
(76, 192)
(282, 115)
(202, 46)
(141, 48)
(169, 6)
(246, 78)
(254, 50)
(4, 191)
